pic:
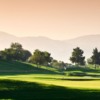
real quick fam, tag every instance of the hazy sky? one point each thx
(57, 19)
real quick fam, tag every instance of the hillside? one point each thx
(60, 50)
(22, 68)
(15, 67)
(23, 81)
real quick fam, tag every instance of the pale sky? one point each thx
(56, 19)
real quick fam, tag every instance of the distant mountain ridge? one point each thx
(60, 50)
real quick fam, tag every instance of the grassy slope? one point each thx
(15, 67)
(47, 75)
(22, 77)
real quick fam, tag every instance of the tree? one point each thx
(19, 53)
(16, 46)
(55, 63)
(58, 64)
(25, 55)
(40, 58)
(62, 65)
(6, 54)
(15, 52)
(89, 61)
(47, 58)
(96, 57)
(77, 56)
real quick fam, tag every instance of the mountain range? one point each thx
(59, 49)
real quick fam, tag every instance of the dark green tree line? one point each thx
(40, 58)
(15, 52)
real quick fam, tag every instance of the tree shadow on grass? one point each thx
(19, 90)
(83, 71)
(70, 79)
(84, 74)
(73, 79)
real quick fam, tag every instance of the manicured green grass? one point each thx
(19, 90)
(59, 80)
(23, 81)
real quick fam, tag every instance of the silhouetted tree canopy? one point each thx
(77, 56)
(15, 52)
(40, 58)
(95, 57)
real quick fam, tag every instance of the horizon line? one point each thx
(48, 37)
